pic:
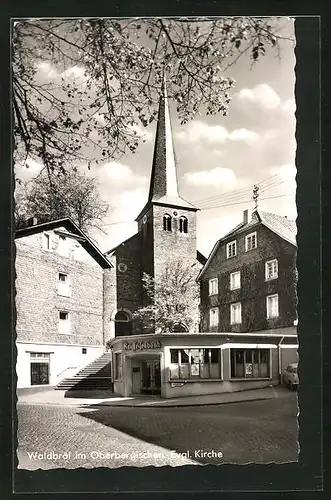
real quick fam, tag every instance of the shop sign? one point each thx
(141, 346)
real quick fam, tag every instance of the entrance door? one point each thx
(150, 377)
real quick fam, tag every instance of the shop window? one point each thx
(167, 226)
(271, 269)
(231, 249)
(272, 306)
(183, 224)
(64, 324)
(118, 366)
(235, 280)
(250, 242)
(63, 287)
(213, 286)
(195, 363)
(123, 324)
(39, 368)
(250, 363)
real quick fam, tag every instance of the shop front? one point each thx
(182, 364)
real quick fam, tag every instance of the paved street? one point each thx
(257, 431)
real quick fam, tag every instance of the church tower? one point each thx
(167, 223)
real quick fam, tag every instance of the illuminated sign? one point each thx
(142, 345)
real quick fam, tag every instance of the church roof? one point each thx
(164, 183)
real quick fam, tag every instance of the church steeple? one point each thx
(164, 183)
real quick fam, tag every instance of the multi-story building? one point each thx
(248, 283)
(248, 286)
(59, 302)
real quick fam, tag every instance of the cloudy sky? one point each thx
(219, 158)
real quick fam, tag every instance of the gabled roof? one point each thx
(282, 226)
(70, 226)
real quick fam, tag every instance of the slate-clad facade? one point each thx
(255, 286)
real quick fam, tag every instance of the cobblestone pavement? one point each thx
(257, 431)
(56, 437)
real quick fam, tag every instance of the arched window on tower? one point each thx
(123, 324)
(167, 222)
(183, 224)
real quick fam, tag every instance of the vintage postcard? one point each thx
(156, 242)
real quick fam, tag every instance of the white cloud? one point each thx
(73, 72)
(214, 134)
(288, 106)
(243, 135)
(262, 95)
(286, 172)
(215, 177)
(46, 69)
(120, 173)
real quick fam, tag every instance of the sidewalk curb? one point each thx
(186, 405)
(117, 405)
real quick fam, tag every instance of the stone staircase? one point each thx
(94, 376)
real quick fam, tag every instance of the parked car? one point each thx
(290, 376)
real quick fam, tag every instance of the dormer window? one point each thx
(167, 222)
(183, 224)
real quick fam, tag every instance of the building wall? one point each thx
(65, 360)
(254, 288)
(38, 302)
(173, 245)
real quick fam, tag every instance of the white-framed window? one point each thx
(235, 280)
(63, 286)
(63, 247)
(250, 241)
(64, 322)
(271, 269)
(235, 313)
(46, 241)
(213, 317)
(272, 306)
(213, 286)
(231, 249)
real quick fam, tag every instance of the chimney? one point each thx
(245, 216)
(32, 221)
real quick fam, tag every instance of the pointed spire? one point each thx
(164, 184)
